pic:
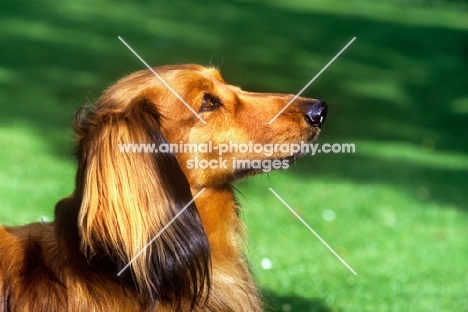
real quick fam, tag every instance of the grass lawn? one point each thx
(395, 210)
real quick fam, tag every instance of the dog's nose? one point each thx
(316, 112)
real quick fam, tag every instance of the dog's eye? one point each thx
(209, 103)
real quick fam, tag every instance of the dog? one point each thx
(134, 212)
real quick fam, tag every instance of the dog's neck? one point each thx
(219, 213)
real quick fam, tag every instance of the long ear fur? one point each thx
(127, 198)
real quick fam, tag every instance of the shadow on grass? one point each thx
(71, 52)
(277, 303)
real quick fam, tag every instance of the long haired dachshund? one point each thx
(137, 208)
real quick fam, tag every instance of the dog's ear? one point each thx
(130, 195)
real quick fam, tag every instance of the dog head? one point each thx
(237, 132)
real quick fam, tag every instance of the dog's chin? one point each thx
(243, 173)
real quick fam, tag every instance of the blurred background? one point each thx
(395, 210)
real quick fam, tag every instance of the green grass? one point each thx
(398, 92)
(409, 253)
(31, 178)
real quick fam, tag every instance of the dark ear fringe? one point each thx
(127, 198)
(184, 269)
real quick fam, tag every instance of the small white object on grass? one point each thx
(328, 215)
(266, 264)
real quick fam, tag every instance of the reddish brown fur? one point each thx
(122, 200)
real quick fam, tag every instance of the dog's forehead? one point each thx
(191, 69)
(198, 72)
(213, 73)
(197, 78)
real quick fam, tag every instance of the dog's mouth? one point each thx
(278, 162)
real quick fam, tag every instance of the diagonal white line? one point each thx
(312, 80)
(313, 232)
(160, 232)
(162, 80)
